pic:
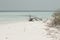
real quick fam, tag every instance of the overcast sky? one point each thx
(29, 4)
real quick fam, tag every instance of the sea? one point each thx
(7, 17)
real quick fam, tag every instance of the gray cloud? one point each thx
(29, 4)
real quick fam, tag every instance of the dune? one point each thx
(25, 30)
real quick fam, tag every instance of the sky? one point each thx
(29, 4)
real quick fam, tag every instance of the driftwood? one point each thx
(31, 18)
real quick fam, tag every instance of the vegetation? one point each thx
(56, 16)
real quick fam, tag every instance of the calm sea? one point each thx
(22, 16)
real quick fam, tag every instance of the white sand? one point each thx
(24, 31)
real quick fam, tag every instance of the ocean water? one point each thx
(22, 16)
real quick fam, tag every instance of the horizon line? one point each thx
(28, 11)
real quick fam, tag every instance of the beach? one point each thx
(16, 26)
(24, 30)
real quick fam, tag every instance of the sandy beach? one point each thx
(24, 30)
